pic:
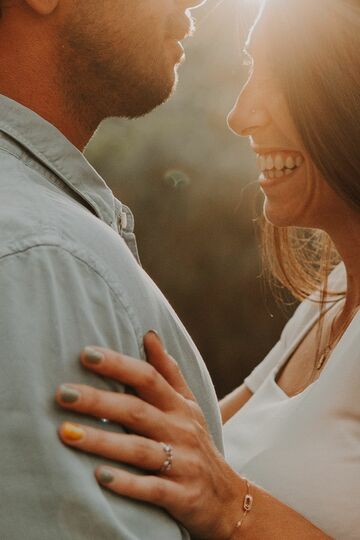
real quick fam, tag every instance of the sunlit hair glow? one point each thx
(315, 48)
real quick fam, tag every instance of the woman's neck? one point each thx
(346, 237)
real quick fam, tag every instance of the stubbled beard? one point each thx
(98, 84)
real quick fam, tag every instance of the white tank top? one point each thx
(305, 450)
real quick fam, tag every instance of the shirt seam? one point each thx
(7, 151)
(40, 169)
(115, 293)
(56, 181)
(36, 151)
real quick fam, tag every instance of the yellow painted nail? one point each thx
(72, 432)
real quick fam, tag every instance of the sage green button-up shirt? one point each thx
(69, 277)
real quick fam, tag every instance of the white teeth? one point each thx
(269, 163)
(261, 163)
(290, 162)
(279, 163)
(299, 161)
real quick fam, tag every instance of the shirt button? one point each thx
(122, 222)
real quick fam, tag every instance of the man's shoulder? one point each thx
(42, 225)
(34, 208)
(40, 222)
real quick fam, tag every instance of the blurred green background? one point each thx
(192, 187)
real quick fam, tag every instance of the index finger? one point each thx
(166, 365)
(149, 384)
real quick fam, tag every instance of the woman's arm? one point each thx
(270, 519)
(233, 402)
(186, 476)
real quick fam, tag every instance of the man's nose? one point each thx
(248, 114)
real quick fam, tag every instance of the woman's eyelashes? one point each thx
(260, 73)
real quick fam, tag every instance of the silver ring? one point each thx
(167, 465)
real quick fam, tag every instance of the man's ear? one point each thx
(43, 7)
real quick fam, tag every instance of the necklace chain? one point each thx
(333, 339)
(331, 344)
(324, 355)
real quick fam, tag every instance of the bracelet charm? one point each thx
(248, 502)
(247, 506)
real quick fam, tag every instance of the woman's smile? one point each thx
(277, 166)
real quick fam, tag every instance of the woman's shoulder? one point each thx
(309, 310)
(303, 318)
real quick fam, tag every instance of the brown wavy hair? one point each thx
(319, 72)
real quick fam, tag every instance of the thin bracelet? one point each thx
(247, 506)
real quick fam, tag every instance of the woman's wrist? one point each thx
(234, 512)
(246, 508)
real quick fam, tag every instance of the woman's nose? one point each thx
(248, 114)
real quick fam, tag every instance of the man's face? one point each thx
(119, 57)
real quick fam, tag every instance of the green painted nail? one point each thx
(105, 476)
(155, 333)
(68, 395)
(92, 356)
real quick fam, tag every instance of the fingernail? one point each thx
(68, 395)
(72, 432)
(92, 356)
(154, 332)
(105, 476)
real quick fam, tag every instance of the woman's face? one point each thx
(295, 192)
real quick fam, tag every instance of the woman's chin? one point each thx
(280, 215)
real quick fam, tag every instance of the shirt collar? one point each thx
(48, 145)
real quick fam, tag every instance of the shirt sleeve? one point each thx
(52, 305)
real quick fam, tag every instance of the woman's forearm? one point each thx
(270, 519)
(231, 403)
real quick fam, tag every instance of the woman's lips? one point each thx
(279, 164)
(267, 182)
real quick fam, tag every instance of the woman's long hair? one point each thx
(315, 46)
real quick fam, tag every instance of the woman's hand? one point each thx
(186, 475)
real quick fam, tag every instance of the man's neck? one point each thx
(36, 82)
(54, 113)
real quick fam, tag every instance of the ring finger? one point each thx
(133, 450)
(125, 409)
